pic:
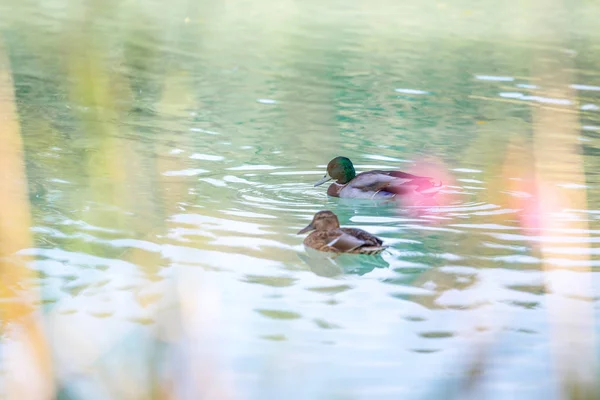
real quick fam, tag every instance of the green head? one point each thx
(340, 169)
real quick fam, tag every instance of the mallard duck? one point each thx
(374, 184)
(329, 237)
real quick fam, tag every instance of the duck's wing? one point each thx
(404, 182)
(402, 175)
(374, 181)
(364, 236)
(343, 241)
(393, 182)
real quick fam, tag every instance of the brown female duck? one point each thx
(329, 237)
(374, 184)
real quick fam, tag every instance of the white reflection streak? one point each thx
(198, 373)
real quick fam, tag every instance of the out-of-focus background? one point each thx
(157, 159)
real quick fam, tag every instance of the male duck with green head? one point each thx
(374, 184)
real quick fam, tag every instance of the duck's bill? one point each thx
(323, 180)
(309, 227)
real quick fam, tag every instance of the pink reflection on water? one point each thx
(523, 197)
(426, 197)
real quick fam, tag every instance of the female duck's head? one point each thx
(340, 169)
(322, 221)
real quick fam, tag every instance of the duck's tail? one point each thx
(431, 188)
(370, 250)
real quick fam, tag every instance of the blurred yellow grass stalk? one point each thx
(26, 356)
(558, 160)
(115, 174)
(188, 316)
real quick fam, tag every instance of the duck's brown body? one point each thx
(329, 237)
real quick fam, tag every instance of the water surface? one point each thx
(170, 152)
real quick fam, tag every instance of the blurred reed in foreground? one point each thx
(27, 356)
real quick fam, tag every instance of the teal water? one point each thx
(170, 152)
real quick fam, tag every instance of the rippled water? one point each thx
(171, 155)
